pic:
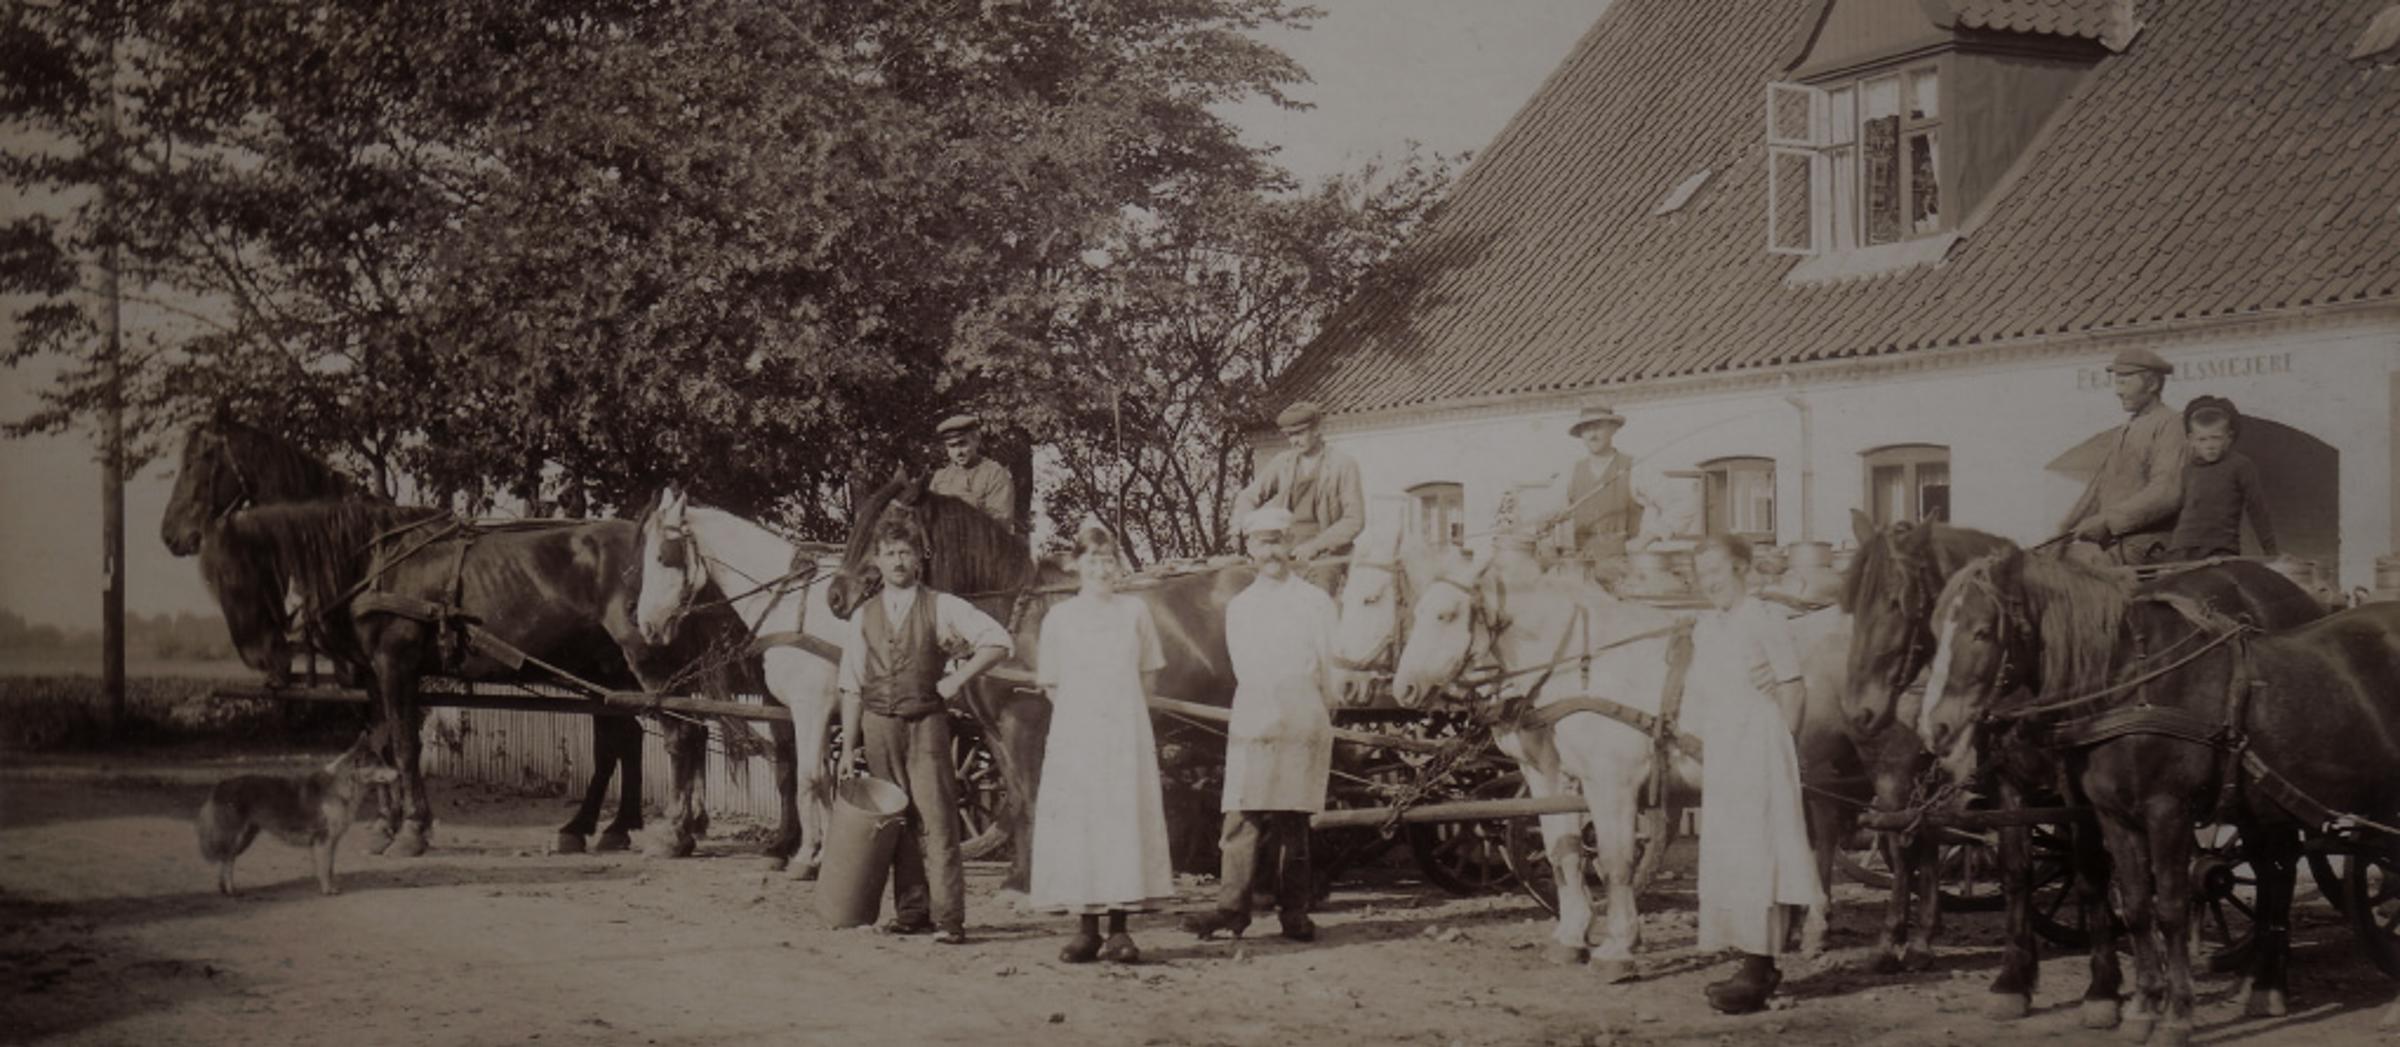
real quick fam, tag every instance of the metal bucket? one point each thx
(867, 818)
(2387, 573)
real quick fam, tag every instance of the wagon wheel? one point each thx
(1470, 857)
(2056, 911)
(982, 794)
(2371, 898)
(1531, 863)
(2225, 889)
(1335, 852)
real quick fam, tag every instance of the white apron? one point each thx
(1279, 747)
(1100, 829)
(1754, 853)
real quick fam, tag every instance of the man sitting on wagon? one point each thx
(1319, 487)
(970, 476)
(1596, 495)
(2127, 514)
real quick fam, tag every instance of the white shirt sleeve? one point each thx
(961, 623)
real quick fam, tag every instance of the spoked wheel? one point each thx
(2226, 890)
(1334, 852)
(2056, 911)
(1468, 857)
(2371, 898)
(981, 793)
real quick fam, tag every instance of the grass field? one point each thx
(60, 708)
(16, 661)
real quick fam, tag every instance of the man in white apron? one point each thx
(1279, 747)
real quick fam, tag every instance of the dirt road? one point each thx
(115, 935)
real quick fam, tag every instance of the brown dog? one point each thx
(313, 809)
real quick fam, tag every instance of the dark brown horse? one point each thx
(1890, 593)
(228, 466)
(976, 557)
(2313, 700)
(561, 592)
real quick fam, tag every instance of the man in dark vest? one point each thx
(893, 694)
(1596, 495)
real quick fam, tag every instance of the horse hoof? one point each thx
(2266, 1003)
(567, 843)
(1884, 963)
(2173, 1034)
(2006, 1006)
(1565, 955)
(1916, 960)
(409, 844)
(802, 872)
(614, 840)
(777, 863)
(672, 845)
(1614, 972)
(2137, 1027)
(2100, 1014)
(379, 840)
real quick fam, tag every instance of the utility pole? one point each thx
(112, 453)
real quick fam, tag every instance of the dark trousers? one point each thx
(928, 875)
(1279, 839)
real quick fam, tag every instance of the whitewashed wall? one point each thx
(2004, 422)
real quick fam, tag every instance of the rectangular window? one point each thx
(1441, 513)
(1910, 482)
(1854, 164)
(1740, 494)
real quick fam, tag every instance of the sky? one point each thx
(1447, 74)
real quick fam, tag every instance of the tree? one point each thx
(1189, 312)
(564, 251)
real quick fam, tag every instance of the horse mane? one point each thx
(321, 547)
(971, 553)
(1909, 548)
(278, 469)
(2073, 610)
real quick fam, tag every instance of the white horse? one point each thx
(1538, 627)
(773, 585)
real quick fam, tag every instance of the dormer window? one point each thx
(1855, 162)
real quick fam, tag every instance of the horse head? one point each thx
(1982, 650)
(673, 568)
(1452, 613)
(208, 485)
(1375, 608)
(1889, 597)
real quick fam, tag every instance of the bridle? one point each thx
(679, 551)
(244, 495)
(1386, 656)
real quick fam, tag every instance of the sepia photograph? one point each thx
(1177, 523)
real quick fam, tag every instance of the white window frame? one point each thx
(1833, 228)
(1718, 472)
(1810, 147)
(1909, 458)
(1445, 498)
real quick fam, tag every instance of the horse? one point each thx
(1889, 592)
(405, 591)
(771, 586)
(988, 563)
(228, 466)
(2160, 707)
(1552, 625)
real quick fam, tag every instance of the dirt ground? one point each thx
(115, 936)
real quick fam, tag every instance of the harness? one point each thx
(678, 549)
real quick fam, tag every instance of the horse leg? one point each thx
(1924, 859)
(1612, 806)
(2101, 1008)
(2131, 880)
(1826, 829)
(1016, 728)
(2171, 848)
(811, 708)
(2275, 856)
(687, 760)
(1562, 847)
(396, 657)
(2011, 993)
(570, 839)
(787, 838)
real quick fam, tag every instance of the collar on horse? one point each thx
(677, 548)
(1524, 711)
(1386, 656)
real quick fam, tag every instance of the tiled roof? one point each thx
(2233, 161)
(2108, 21)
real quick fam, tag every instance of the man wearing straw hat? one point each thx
(1596, 495)
(1319, 487)
(2127, 514)
(1279, 744)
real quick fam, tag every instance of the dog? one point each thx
(312, 809)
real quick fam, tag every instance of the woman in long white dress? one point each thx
(1100, 828)
(1755, 864)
